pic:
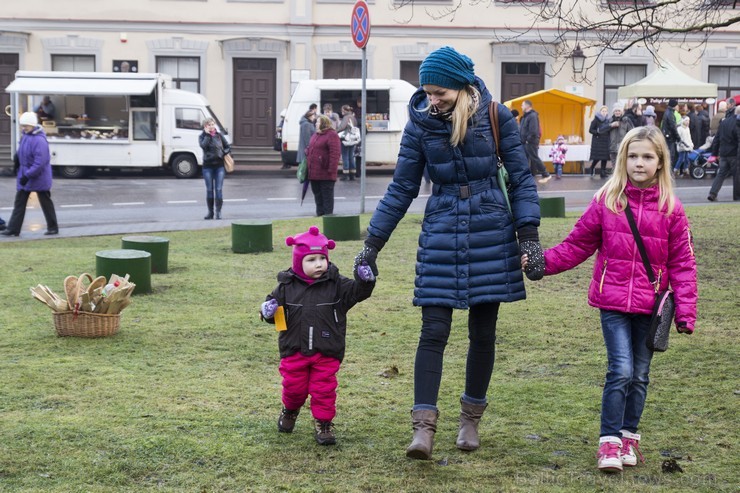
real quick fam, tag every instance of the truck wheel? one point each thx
(185, 166)
(73, 171)
(698, 172)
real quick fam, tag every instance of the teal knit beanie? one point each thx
(446, 67)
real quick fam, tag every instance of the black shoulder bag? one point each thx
(664, 308)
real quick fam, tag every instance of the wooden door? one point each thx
(254, 102)
(8, 68)
(518, 79)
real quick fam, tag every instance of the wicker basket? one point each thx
(85, 324)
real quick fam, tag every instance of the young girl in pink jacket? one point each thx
(620, 287)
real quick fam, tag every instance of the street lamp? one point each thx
(578, 59)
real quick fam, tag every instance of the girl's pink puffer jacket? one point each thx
(619, 280)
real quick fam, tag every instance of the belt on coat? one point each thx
(465, 190)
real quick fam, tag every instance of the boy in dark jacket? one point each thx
(309, 308)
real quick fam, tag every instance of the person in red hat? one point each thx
(309, 308)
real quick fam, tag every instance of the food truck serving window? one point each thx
(144, 124)
(378, 105)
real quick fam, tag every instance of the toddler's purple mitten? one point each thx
(268, 308)
(365, 273)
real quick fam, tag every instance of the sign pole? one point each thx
(360, 27)
(363, 131)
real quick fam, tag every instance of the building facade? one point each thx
(246, 56)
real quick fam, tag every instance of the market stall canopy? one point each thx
(561, 113)
(668, 82)
(72, 84)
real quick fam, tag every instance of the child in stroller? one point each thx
(701, 161)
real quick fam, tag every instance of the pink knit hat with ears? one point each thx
(308, 243)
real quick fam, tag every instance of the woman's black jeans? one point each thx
(436, 323)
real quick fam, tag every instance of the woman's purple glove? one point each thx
(268, 308)
(535, 269)
(364, 273)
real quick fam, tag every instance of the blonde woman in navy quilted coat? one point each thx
(470, 243)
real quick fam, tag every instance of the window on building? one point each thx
(73, 63)
(342, 69)
(616, 76)
(185, 71)
(410, 71)
(727, 80)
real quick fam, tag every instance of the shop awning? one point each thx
(668, 82)
(560, 112)
(101, 86)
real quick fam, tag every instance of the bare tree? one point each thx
(609, 26)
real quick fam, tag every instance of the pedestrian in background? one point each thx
(650, 116)
(600, 129)
(670, 129)
(635, 115)
(348, 150)
(306, 129)
(726, 146)
(215, 147)
(684, 146)
(557, 154)
(33, 174)
(328, 111)
(619, 126)
(703, 116)
(323, 156)
(717, 118)
(530, 133)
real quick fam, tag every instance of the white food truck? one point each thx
(386, 116)
(113, 120)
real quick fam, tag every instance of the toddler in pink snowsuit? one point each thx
(309, 307)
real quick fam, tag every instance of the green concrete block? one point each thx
(251, 236)
(552, 207)
(342, 227)
(158, 246)
(136, 263)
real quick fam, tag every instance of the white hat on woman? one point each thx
(28, 118)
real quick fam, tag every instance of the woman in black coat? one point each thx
(599, 131)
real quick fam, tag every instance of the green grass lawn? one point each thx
(186, 396)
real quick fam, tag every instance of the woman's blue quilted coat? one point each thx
(468, 252)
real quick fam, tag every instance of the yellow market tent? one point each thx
(561, 113)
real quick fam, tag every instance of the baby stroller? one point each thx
(702, 163)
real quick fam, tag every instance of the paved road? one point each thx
(149, 202)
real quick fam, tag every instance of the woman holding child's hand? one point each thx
(470, 243)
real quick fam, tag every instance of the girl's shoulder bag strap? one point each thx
(640, 244)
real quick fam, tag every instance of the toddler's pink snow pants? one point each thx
(315, 375)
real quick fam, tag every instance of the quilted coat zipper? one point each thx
(603, 275)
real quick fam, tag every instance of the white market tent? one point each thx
(668, 82)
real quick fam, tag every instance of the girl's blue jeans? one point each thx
(214, 178)
(348, 157)
(682, 163)
(627, 379)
